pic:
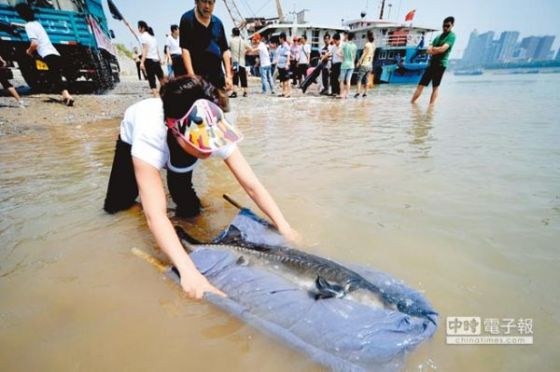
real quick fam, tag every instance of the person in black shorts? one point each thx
(151, 61)
(239, 47)
(283, 65)
(433, 74)
(439, 50)
(204, 45)
(5, 76)
(40, 44)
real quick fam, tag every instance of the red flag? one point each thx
(410, 16)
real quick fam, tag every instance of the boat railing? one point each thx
(401, 40)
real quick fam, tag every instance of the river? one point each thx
(461, 201)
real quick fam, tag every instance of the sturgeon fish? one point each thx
(330, 279)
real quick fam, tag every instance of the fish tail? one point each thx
(187, 240)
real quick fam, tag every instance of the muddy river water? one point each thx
(461, 202)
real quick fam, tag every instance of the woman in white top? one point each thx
(174, 52)
(304, 58)
(41, 44)
(150, 62)
(153, 136)
(265, 63)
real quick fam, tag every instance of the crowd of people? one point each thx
(287, 61)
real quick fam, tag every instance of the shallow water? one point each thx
(461, 202)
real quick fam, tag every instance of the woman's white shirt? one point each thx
(151, 42)
(143, 128)
(35, 31)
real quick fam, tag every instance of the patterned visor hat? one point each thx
(205, 127)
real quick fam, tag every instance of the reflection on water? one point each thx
(461, 201)
(421, 125)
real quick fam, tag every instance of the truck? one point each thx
(79, 31)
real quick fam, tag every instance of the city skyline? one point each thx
(490, 48)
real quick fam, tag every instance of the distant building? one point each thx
(471, 56)
(530, 44)
(543, 52)
(480, 49)
(507, 43)
(487, 47)
(483, 50)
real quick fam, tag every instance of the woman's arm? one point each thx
(254, 188)
(187, 62)
(32, 47)
(144, 54)
(154, 203)
(226, 59)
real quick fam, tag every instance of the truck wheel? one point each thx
(103, 79)
(38, 81)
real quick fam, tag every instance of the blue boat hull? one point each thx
(400, 66)
(392, 74)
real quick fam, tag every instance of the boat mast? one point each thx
(230, 14)
(382, 9)
(279, 11)
(238, 21)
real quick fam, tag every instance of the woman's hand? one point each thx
(229, 83)
(195, 285)
(291, 235)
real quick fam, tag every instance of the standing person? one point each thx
(336, 59)
(167, 60)
(41, 44)
(439, 50)
(365, 65)
(239, 48)
(174, 52)
(153, 134)
(283, 65)
(265, 67)
(150, 60)
(272, 46)
(294, 59)
(138, 61)
(304, 58)
(347, 68)
(326, 57)
(5, 76)
(204, 44)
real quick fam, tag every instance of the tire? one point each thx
(103, 79)
(38, 81)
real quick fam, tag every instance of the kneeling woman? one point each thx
(152, 136)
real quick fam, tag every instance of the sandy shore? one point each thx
(47, 109)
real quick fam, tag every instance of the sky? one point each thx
(534, 17)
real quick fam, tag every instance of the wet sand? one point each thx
(461, 202)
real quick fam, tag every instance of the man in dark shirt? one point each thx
(204, 45)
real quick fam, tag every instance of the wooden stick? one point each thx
(150, 259)
(232, 202)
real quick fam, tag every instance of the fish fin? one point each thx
(327, 290)
(242, 261)
(176, 272)
(187, 240)
(231, 236)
